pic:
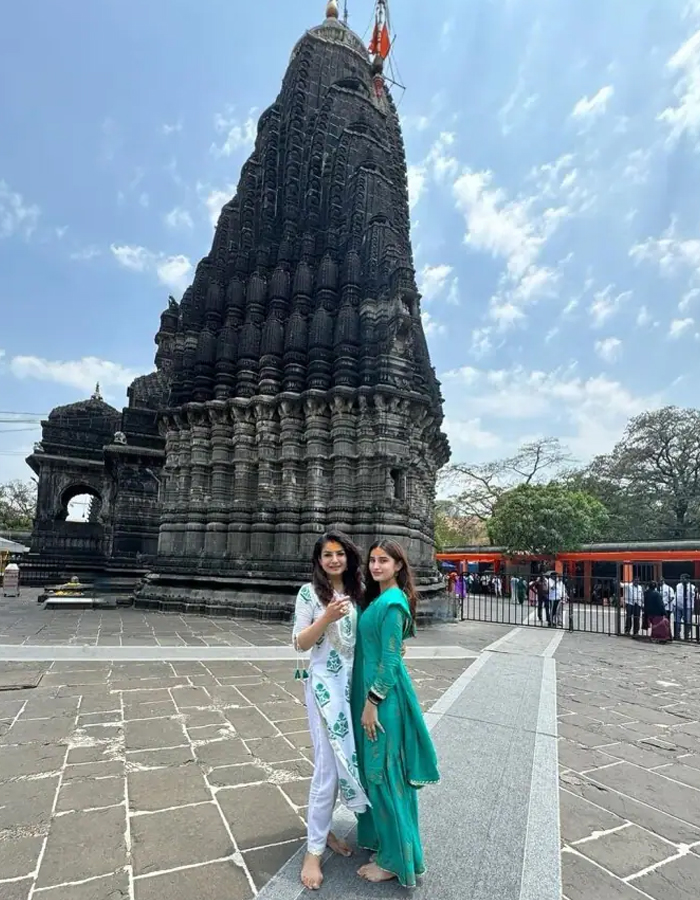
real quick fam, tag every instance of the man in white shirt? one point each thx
(684, 606)
(557, 597)
(633, 598)
(668, 595)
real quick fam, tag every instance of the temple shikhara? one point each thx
(293, 388)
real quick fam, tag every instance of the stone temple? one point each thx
(293, 388)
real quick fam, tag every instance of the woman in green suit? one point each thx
(396, 756)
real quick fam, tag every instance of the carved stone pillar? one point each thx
(245, 479)
(267, 444)
(318, 469)
(344, 460)
(291, 417)
(216, 539)
(201, 474)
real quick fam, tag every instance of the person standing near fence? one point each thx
(684, 607)
(668, 595)
(633, 598)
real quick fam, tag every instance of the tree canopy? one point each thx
(545, 519)
(17, 505)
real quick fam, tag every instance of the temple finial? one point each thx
(97, 395)
(332, 9)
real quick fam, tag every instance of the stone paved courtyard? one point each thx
(189, 778)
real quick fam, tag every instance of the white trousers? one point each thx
(323, 792)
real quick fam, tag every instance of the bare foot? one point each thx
(338, 845)
(311, 874)
(374, 873)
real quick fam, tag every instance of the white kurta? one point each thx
(330, 681)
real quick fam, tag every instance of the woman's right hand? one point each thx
(337, 609)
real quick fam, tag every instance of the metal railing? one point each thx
(589, 605)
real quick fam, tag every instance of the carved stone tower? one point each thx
(302, 394)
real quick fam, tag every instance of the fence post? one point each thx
(618, 603)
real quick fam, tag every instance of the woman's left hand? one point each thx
(370, 721)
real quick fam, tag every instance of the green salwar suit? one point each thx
(403, 758)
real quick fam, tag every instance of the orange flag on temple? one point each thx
(384, 43)
(374, 43)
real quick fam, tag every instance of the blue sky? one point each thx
(554, 161)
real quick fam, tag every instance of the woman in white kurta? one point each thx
(325, 622)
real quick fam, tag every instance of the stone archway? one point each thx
(76, 491)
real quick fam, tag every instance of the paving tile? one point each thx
(83, 845)
(223, 752)
(651, 788)
(259, 815)
(230, 776)
(292, 770)
(196, 718)
(249, 723)
(114, 886)
(90, 793)
(196, 834)
(579, 818)
(153, 733)
(17, 890)
(19, 854)
(273, 749)
(571, 756)
(297, 791)
(216, 881)
(268, 692)
(265, 863)
(627, 851)
(103, 769)
(163, 788)
(171, 756)
(27, 804)
(156, 710)
(30, 760)
(582, 880)
(677, 880)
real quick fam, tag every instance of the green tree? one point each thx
(477, 488)
(17, 505)
(545, 519)
(650, 482)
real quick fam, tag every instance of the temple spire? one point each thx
(332, 9)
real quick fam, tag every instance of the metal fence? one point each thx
(593, 606)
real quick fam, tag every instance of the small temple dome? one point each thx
(93, 408)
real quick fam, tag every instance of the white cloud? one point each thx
(431, 326)
(609, 349)
(469, 434)
(684, 117)
(432, 280)
(179, 218)
(16, 215)
(589, 108)
(440, 161)
(637, 167)
(214, 199)
(688, 299)
(589, 414)
(679, 327)
(416, 184)
(482, 342)
(606, 304)
(172, 271)
(81, 374)
(670, 253)
(175, 128)
(85, 254)
(643, 317)
(239, 134)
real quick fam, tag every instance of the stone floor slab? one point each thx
(583, 880)
(90, 793)
(627, 851)
(215, 881)
(16, 890)
(263, 864)
(83, 845)
(164, 788)
(114, 886)
(195, 834)
(580, 819)
(19, 854)
(259, 815)
(677, 880)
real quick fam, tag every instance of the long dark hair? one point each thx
(404, 577)
(352, 576)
